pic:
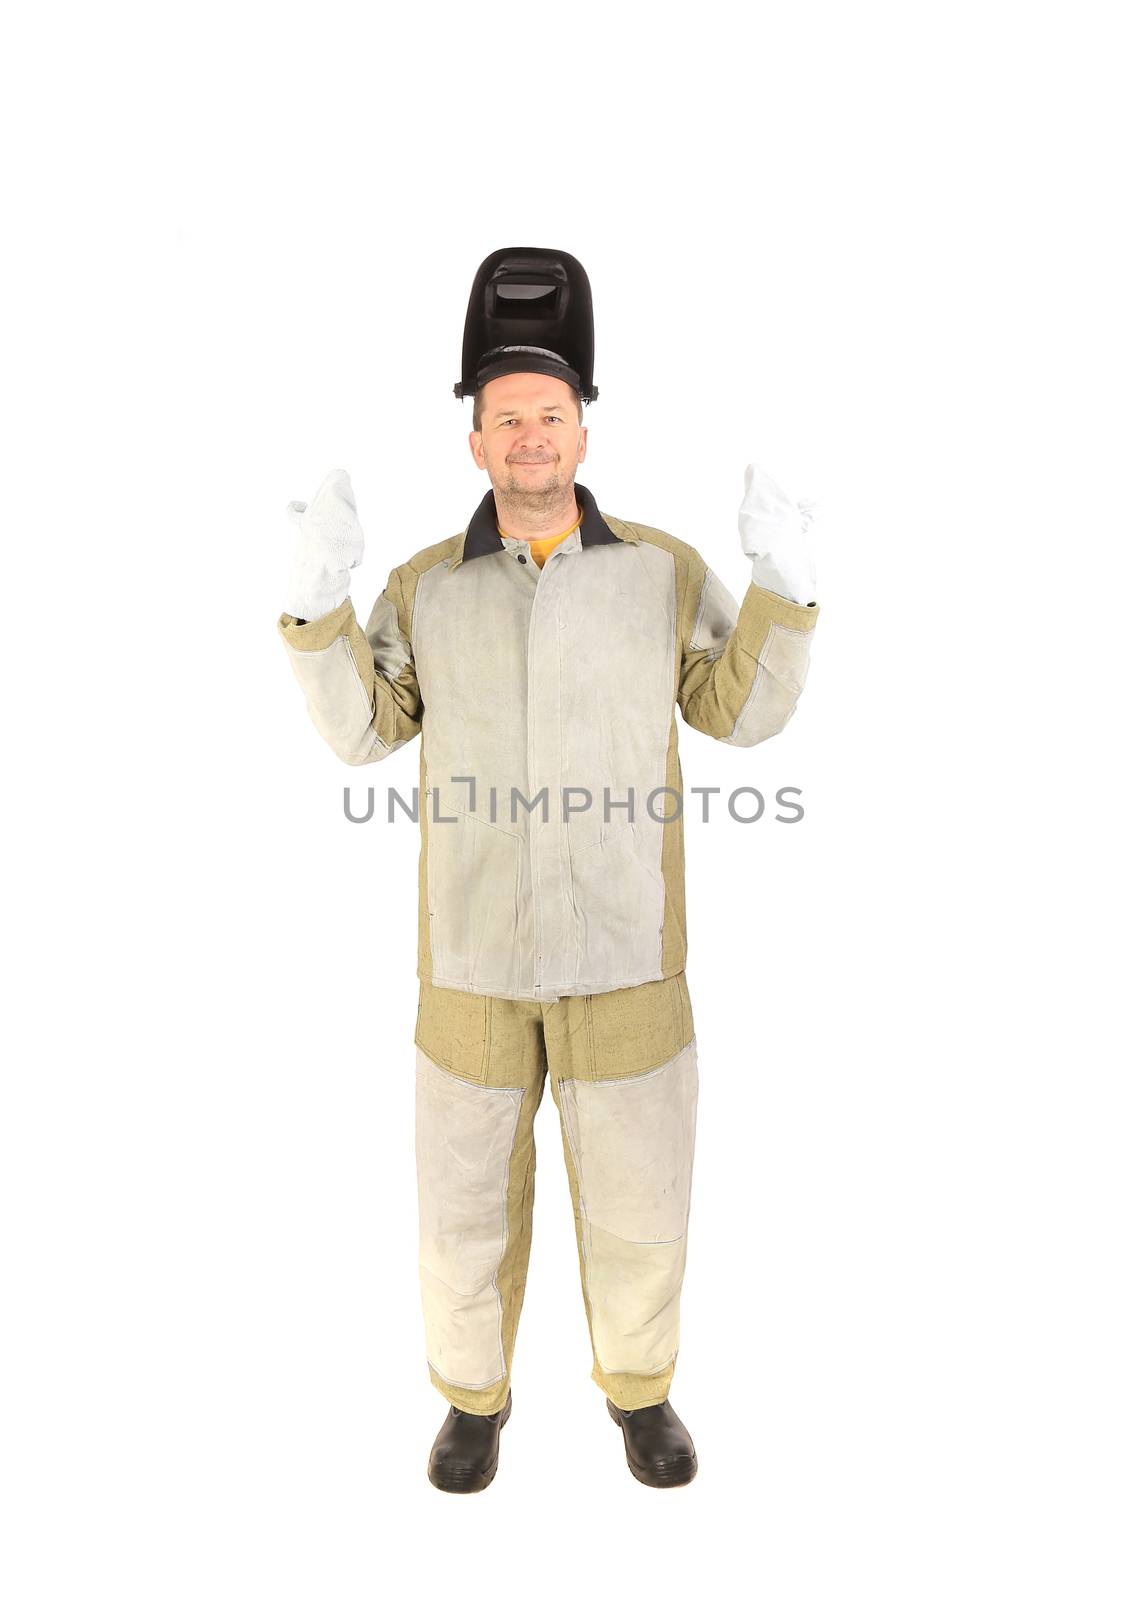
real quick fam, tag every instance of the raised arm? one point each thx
(360, 685)
(743, 667)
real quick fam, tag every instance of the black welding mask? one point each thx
(530, 311)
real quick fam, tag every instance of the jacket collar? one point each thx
(482, 536)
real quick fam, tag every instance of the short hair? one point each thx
(477, 411)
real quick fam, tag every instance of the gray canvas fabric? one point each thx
(716, 613)
(339, 703)
(464, 1138)
(560, 682)
(622, 1068)
(632, 1142)
(781, 671)
(574, 906)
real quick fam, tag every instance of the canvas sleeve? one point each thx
(742, 666)
(360, 685)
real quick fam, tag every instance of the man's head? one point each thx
(528, 437)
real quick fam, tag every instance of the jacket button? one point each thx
(522, 558)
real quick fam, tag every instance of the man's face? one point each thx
(531, 441)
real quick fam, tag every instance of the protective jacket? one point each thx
(552, 854)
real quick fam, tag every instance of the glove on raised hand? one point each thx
(330, 542)
(773, 531)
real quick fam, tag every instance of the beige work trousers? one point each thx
(623, 1072)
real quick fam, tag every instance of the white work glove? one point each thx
(773, 531)
(331, 541)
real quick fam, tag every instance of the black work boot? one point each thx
(465, 1455)
(658, 1446)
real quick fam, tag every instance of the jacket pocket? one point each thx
(619, 902)
(473, 903)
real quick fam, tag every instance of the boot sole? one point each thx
(665, 1474)
(468, 1480)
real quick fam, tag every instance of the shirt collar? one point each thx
(482, 536)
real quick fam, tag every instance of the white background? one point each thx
(886, 252)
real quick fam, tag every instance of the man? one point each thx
(541, 654)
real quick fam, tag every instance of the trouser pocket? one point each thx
(453, 1030)
(633, 1030)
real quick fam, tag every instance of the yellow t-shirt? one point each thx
(541, 548)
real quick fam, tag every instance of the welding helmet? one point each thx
(530, 311)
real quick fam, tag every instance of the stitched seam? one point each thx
(760, 661)
(700, 608)
(625, 1239)
(413, 621)
(506, 1229)
(639, 1372)
(775, 627)
(364, 700)
(305, 655)
(565, 876)
(463, 1294)
(473, 816)
(455, 1383)
(511, 994)
(485, 1088)
(571, 1127)
(436, 1061)
(638, 1077)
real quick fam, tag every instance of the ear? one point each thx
(582, 432)
(475, 442)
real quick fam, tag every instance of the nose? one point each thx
(530, 440)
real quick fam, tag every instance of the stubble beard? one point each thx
(533, 497)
